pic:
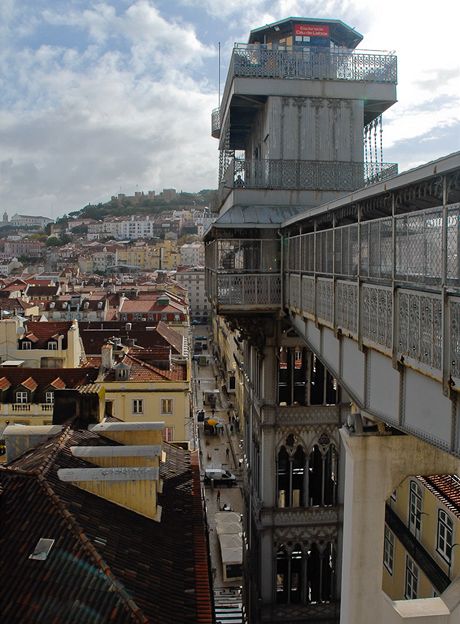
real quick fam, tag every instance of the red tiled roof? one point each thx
(446, 488)
(109, 562)
(45, 331)
(142, 371)
(4, 383)
(30, 384)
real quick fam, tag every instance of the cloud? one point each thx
(79, 124)
(99, 97)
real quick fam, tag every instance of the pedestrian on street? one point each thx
(218, 499)
(231, 428)
(227, 452)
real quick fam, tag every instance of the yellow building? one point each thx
(422, 532)
(230, 356)
(152, 389)
(41, 344)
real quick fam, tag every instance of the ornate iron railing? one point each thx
(381, 282)
(249, 255)
(257, 61)
(215, 123)
(303, 174)
(245, 290)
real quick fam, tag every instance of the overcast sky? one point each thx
(111, 96)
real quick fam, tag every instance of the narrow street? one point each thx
(220, 450)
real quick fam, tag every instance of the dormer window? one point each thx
(122, 373)
(49, 397)
(26, 345)
(52, 345)
(22, 396)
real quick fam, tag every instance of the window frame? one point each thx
(49, 397)
(444, 551)
(415, 509)
(388, 549)
(166, 412)
(20, 395)
(138, 406)
(411, 579)
(52, 345)
(26, 345)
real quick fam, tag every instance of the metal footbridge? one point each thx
(371, 282)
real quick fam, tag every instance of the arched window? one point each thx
(291, 475)
(281, 575)
(322, 470)
(296, 579)
(283, 478)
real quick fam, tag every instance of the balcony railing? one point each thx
(257, 61)
(246, 289)
(30, 407)
(215, 123)
(303, 175)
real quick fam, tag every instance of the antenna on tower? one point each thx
(219, 76)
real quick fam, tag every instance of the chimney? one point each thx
(107, 356)
(127, 475)
(21, 438)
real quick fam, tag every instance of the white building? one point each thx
(29, 221)
(193, 280)
(192, 254)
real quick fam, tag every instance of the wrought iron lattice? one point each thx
(420, 327)
(324, 299)
(308, 294)
(254, 60)
(453, 245)
(308, 252)
(454, 309)
(346, 306)
(301, 174)
(377, 248)
(294, 291)
(346, 250)
(419, 247)
(249, 289)
(377, 314)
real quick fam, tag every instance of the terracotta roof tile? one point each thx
(106, 561)
(30, 384)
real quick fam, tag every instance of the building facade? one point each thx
(297, 127)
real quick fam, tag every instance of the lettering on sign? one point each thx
(311, 30)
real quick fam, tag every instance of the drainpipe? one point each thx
(281, 268)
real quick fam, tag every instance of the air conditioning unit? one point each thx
(52, 304)
(128, 326)
(64, 305)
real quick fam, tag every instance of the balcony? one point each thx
(299, 415)
(305, 63)
(215, 123)
(302, 175)
(256, 291)
(244, 273)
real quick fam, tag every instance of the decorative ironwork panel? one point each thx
(308, 253)
(324, 251)
(249, 290)
(294, 291)
(215, 122)
(453, 245)
(248, 255)
(308, 294)
(346, 250)
(253, 60)
(297, 174)
(324, 294)
(346, 306)
(420, 327)
(419, 247)
(377, 248)
(377, 318)
(294, 253)
(454, 308)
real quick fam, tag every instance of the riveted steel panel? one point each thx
(353, 365)
(331, 350)
(427, 411)
(383, 387)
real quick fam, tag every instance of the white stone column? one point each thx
(375, 466)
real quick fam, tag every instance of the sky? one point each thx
(109, 96)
